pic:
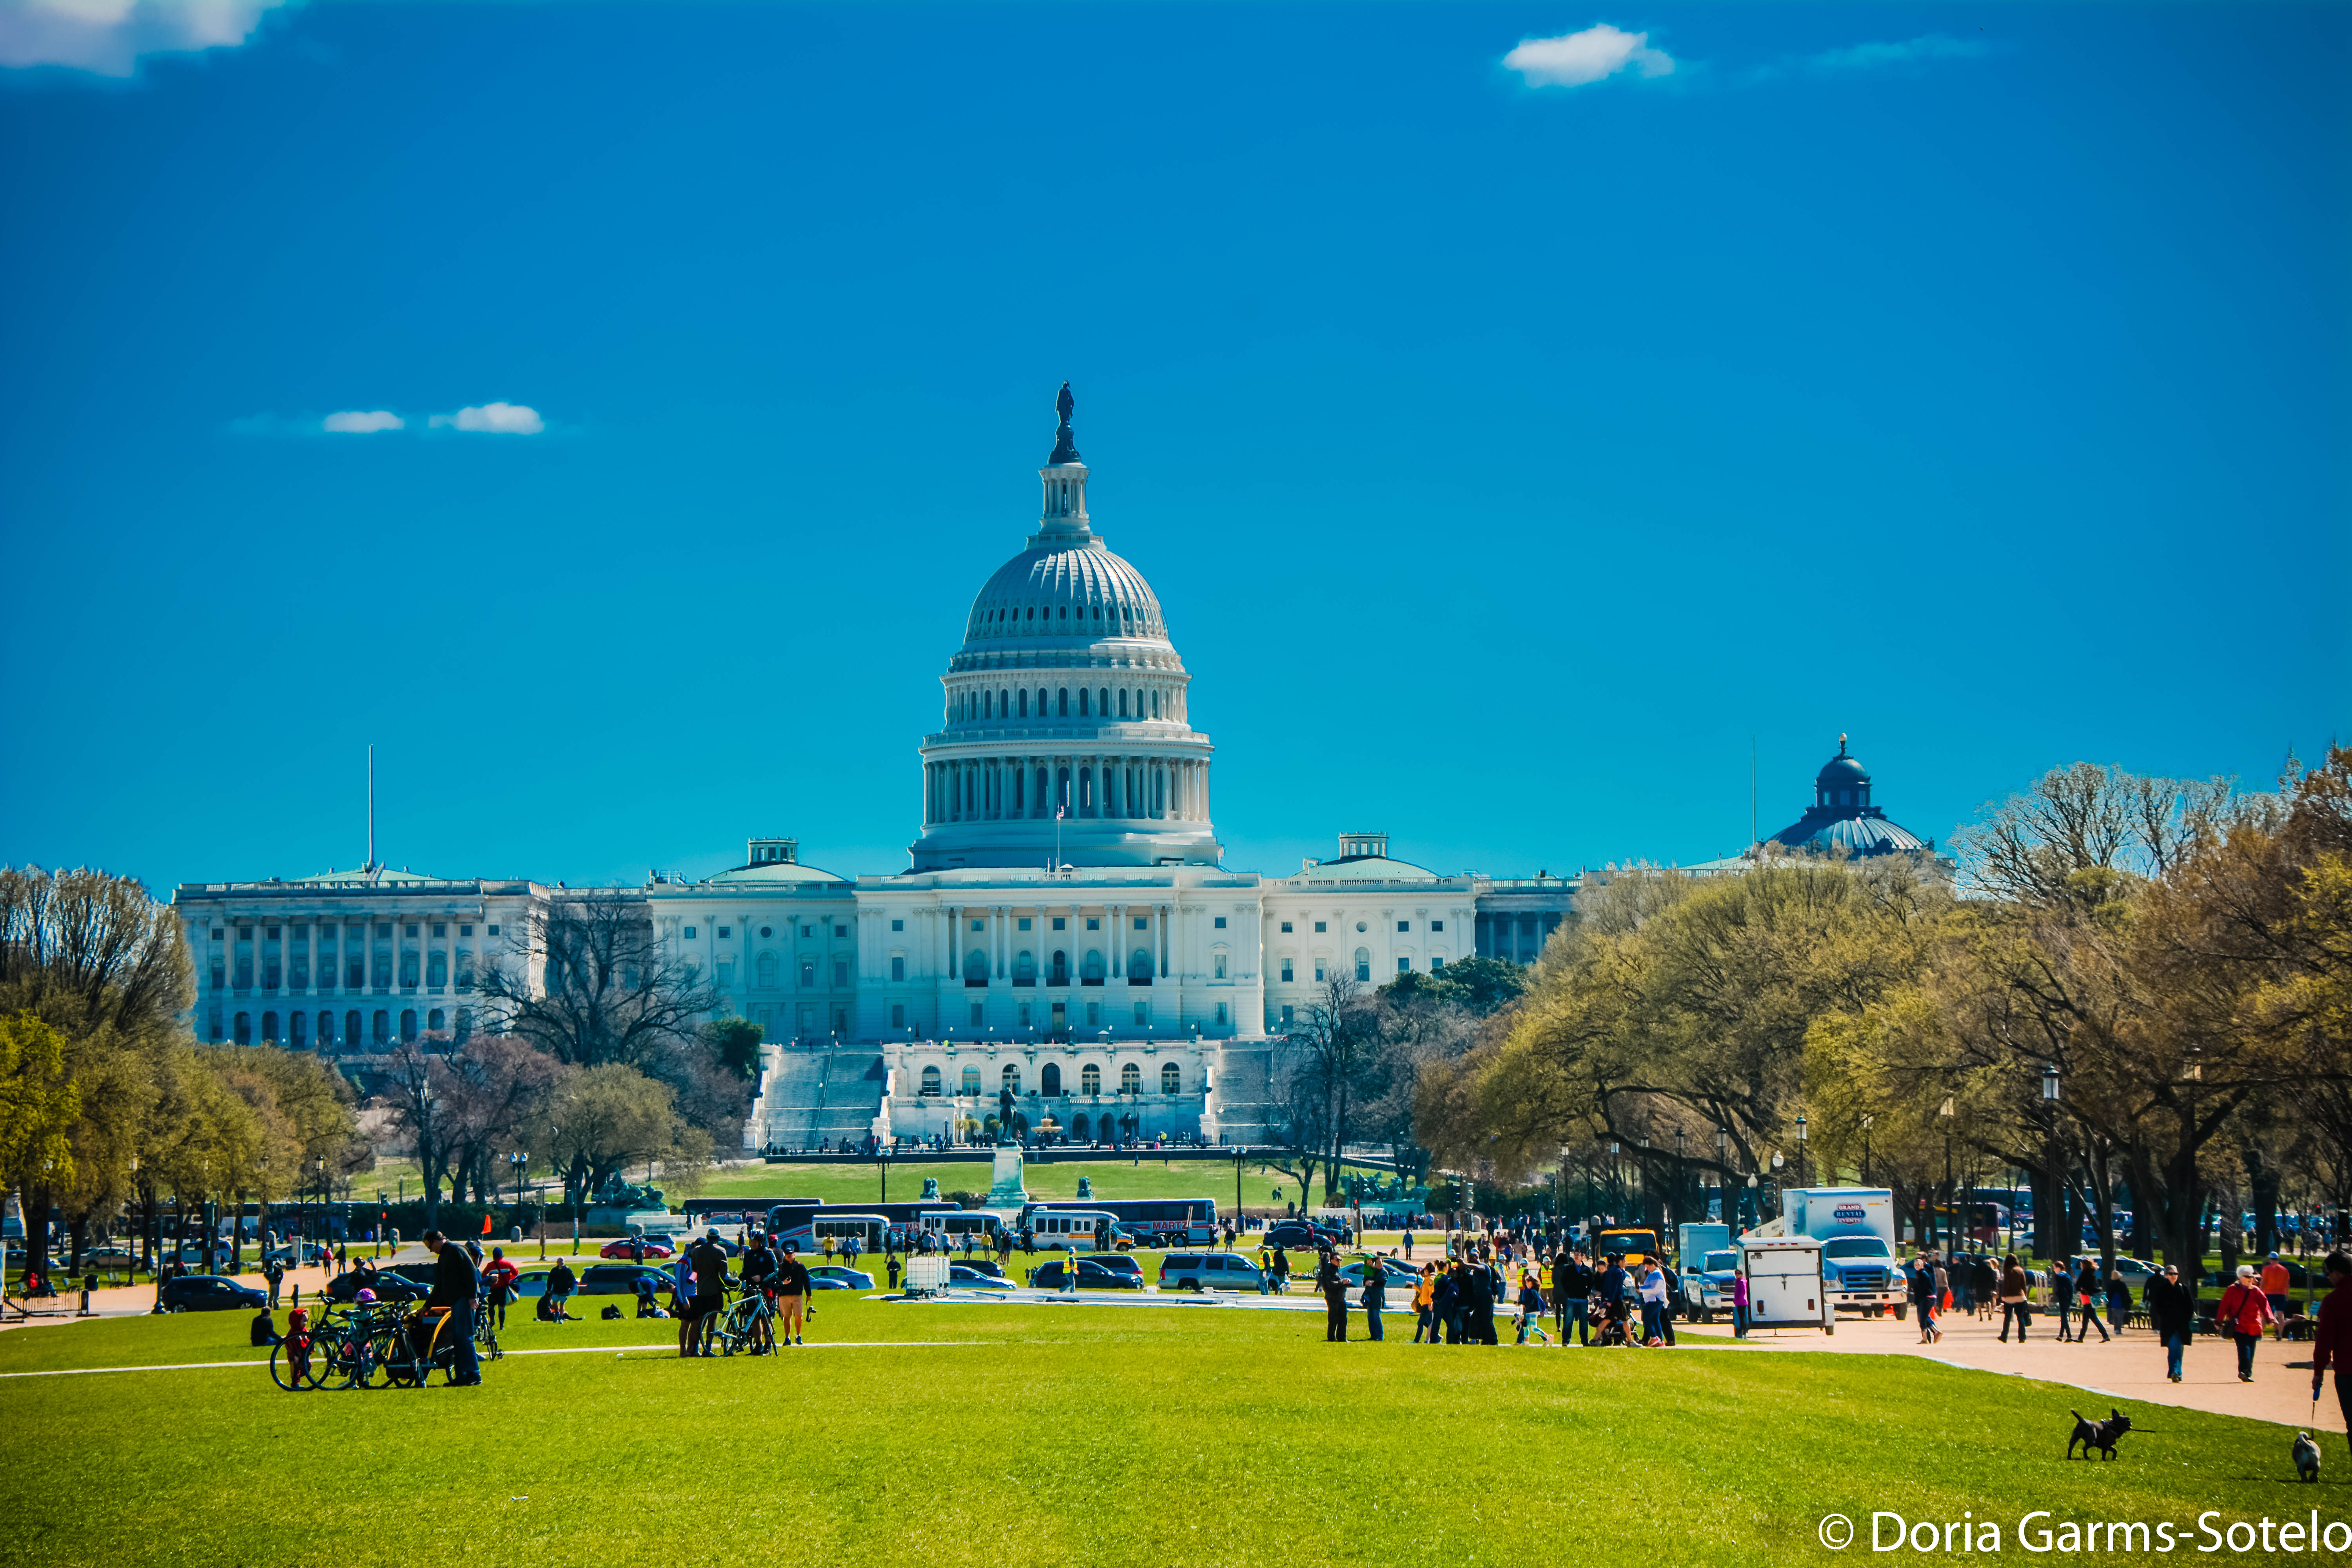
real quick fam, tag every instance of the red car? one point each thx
(651, 1247)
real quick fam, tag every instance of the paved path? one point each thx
(2129, 1368)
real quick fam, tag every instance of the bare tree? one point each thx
(586, 981)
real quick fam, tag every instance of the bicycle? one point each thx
(486, 1333)
(416, 1347)
(749, 1326)
(290, 1362)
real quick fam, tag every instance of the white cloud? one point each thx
(1575, 59)
(494, 419)
(106, 37)
(356, 422)
(1909, 51)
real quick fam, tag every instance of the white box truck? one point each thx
(1784, 1283)
(1856, 1227)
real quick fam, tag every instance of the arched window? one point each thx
(1220, 957)
(1038, 800)
(1103, 700)
(1363, 964)
(1139, 965)
(1155, 705)
(972, 1080)
(1090, 1080)
(351, 1031)
(269, 1028)
(1065, 702)
(436, 969)
(1130, 1079)
(241, 1030)
(408, 1022)
(975, 967)
(1024, 702)
(1079, 1127)
(988, 704)
(1061, 972)
(1005, 705)
(1013, 1078)
(932, 1083)
(808, 974)
(1122, 704)
(434, 1022)
(380, 1027)
(767, 970)
(1024, 969)
(1170, 1080)
(1092, 971)
(1049, 1080)
(1083, 709)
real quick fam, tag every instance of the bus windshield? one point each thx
(1644, 1242)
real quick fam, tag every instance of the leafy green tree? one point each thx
(734, 1044)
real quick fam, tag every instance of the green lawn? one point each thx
(1147, 1178)
(1116, 1435)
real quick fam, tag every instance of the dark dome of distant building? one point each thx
(1841, 818)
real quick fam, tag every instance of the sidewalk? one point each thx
(2128, 1368)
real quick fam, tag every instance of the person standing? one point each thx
(1424, 1310)
(1376, 1286)
(2276, 1283)
(709, 1296)
(501, 1276)
(2332, 1340)
(791, 1292)
(2087, 1293)
(2059, 1282)
(454, 1288)
(1739, 1302)
(561, 1283)
(1334, 1298)
(2243, 1313)
(1445, 1304)
(1654, 1303)
(2120, 1302)
(2012, 1298)
(1408, 1246)
(1927, 1284)
(1573, 1287)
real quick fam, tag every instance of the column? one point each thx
(1003, 940)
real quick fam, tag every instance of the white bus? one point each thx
(1081, 1230)
(954, 1224)
(865, 1229)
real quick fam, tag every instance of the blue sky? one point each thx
(1510, 443)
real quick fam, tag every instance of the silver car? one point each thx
(1209, 1271)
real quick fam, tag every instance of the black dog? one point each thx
(2100, 1434)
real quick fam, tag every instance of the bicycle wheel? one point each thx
(486, 1341)
(289, 1365)
(375, 1357)
(333, 1365)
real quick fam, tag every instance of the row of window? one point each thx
(808, 928)
(1049, 1080)
(1154, 788)
(357, 931)
(295, 974)
(360, 1031)
(1363, 962)
(1020, 620)
(1060, 1019)
(971, 707)
(1402, 926)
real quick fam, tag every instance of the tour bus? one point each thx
(954, 1224)
(843, 1227)
(792, 1217)
(1081, 1230)
(1158, 1222)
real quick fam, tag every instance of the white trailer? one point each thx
(1784, 1284)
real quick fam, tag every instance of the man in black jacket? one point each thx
(2172, 1313)
(1334, 1298)
(455, 1286)
(1571, 1283)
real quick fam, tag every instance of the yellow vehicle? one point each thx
(1636, 1245)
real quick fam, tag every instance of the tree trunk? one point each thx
(2262, 1178)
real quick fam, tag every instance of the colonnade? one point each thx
(1127, 788)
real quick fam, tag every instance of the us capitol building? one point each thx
(1066, 929)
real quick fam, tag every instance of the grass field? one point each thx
(1004, 1434)
(1144, 1178)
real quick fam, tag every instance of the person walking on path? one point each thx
(2087, 1292)
(2275, 1286)
(2012, 1299)
(2244, 1312)
(2119, 1302)
(2059, 1283)
(2172, 1313)
(454, 1288)
(1927, 1291)
(1334, 1298)
(2332, 1340)
(1988, 1285)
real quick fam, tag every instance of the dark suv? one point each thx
(387, 1284)
(1297, 1235)
(210, 1293)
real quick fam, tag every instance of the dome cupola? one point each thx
(1841, 820)
(1064, 729)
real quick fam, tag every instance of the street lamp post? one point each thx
(1945, 1116)
(1682, 1175)
(2051, 1157)
(1800, 1148)
(1866, 1120)
(1722, 1171)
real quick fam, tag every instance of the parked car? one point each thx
(110, 1259)
(620, 1278)
(295, 1255)
(847, 1279)
(988, 1265)
(387, 1285)
(1209, 1271)
(1092, 1276)
(1296, 1235)
(210, 1293)
(962, 1279)
(647, 1247)
(1120, 1264)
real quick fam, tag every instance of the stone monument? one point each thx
(1006, 1190)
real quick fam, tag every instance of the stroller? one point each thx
(1610, 1327)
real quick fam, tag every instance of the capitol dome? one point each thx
(1842, 818)
(1064, 727)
